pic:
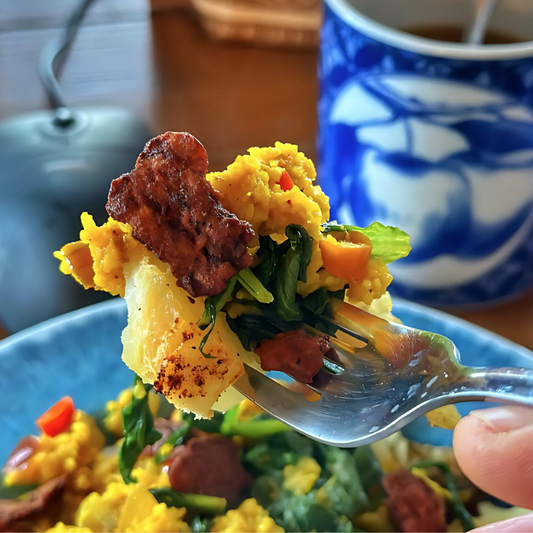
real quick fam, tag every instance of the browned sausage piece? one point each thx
(209, 466)
(19, 456)
(295, 352)
(413, 507)
(12, 511)
(174, 211)
(166, 428)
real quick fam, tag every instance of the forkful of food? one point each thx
(230, 276)
(382, 376)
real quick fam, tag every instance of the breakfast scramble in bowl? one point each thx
(220, 270)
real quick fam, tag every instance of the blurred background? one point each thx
(228, 77)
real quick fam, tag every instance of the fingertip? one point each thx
(499, 462)
(471, 434)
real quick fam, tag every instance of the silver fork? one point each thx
(381, 377)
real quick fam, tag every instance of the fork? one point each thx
(379, 377)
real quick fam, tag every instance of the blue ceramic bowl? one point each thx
(78, 354)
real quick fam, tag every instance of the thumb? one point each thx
(520, 524)
(494, 449)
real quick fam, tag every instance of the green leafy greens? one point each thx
(293, 268)
(176, 438)
(139, 431)
(280, 268)
(344, 488)
(270, 255)
(338, 495)
(213, 306)
(250, 328)
(388, 242)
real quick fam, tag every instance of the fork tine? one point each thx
(346, 330)
(289, 406)
(315, 419)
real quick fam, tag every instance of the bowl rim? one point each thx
(118, 304)
(69, 317)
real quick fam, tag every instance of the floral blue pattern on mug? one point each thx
(437, 144)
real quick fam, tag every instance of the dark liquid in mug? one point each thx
(454, 34)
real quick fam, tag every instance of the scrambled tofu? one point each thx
(251, 188)
(248, 517)
(301, 477)
(68, 453)
(128, 508)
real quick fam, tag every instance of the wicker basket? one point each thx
(266, 22)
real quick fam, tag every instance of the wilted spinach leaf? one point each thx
(304, 513)
(209, 425)
(213, 305)
(250, 328)
(344, 488)
(276, 452)
(270, 255)
(139, 431)
(370, 471)
(317, 302)
(294, 268)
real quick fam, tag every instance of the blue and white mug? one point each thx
(433, 137)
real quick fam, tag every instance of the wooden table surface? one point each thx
(163, 66)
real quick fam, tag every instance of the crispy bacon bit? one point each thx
(295, 352)
(175, 213)
(12, 511)
(209, 466)
(413, 507)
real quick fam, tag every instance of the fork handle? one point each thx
(507, 385)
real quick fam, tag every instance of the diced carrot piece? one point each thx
(345, 259)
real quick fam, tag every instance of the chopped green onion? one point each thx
(198, 502)
(252, 284)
